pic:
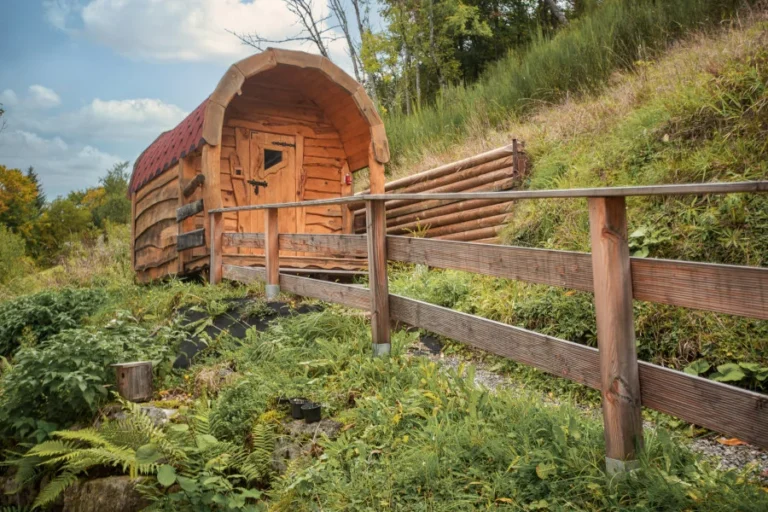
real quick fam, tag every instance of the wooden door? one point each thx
(273, 161)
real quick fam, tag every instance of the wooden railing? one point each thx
(609, 272)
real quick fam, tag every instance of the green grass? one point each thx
(579, 59)
(420, 438)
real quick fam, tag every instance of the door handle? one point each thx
(256, 184)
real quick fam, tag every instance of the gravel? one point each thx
(736, 457)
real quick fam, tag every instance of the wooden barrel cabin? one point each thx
(281, 126)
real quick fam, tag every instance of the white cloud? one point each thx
(42, 97)
(113, 120)
(8, 98)
(187, 30)
(61, 166)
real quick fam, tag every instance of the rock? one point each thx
(158, 415)
(300, 428)
(13, 496)
(111, 494)
(299, 440)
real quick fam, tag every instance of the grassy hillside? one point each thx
(415, 435)
(700, 113)
(579, 59)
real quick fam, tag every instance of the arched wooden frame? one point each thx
(233, 80)
(231, 84)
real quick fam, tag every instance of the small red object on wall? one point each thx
(347, 179)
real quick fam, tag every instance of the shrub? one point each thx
(44, 315)
(66, 377)
(13, 259)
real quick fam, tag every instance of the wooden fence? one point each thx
(615, 278)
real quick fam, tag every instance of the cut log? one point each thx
(438, 220)
(188, 210)
(190, 240)
(134, 380)
(197, 181)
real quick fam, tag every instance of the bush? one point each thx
(13, 259)
(44, 314)
(65, 378)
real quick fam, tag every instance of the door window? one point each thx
(272, 158)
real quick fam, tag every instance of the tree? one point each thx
(2, 121)
(115, 206)
(40, 198)
(18, 199)
(315, 31)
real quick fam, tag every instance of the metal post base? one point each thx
(618, 467)
(272, 291)
(381, 349)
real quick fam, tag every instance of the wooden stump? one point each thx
(134, 380)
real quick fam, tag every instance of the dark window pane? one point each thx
(272, 158)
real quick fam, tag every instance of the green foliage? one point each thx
(45, 314)
(577, 59)
(13, 259)
(64, 378)
(211, 474)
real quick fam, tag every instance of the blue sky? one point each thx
(88, 83)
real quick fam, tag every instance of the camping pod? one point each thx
(281, 126)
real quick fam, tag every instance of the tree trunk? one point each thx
(556, 11)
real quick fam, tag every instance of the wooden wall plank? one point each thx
(189, 240)
(188, 210)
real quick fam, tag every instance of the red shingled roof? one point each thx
(168, 148)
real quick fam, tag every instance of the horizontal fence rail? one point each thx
(608, 272)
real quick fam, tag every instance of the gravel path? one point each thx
(728, 457)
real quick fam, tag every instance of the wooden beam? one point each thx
(375, 172)
(726, 409)
(272, 251)
(190, 240)
(557, 268)
(559, 357)
(344, 294)
(339, 246)
(211, 167)
(196, 182)
(619, 374)
(189, 210)
(377, 272)
(730, 289)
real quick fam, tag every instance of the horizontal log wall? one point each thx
(480, 220)
(719, 407)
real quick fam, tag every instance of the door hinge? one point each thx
(284, 144)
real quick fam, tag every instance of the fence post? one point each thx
(620, 381)
(272, 251)
(216, 231)
(376, 226)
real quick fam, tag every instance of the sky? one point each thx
(89, 83)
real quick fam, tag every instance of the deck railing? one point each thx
(615, 278)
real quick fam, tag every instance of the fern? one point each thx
(55, 487)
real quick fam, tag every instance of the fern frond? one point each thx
(55, 487)
(50, 449)
(86, 435)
